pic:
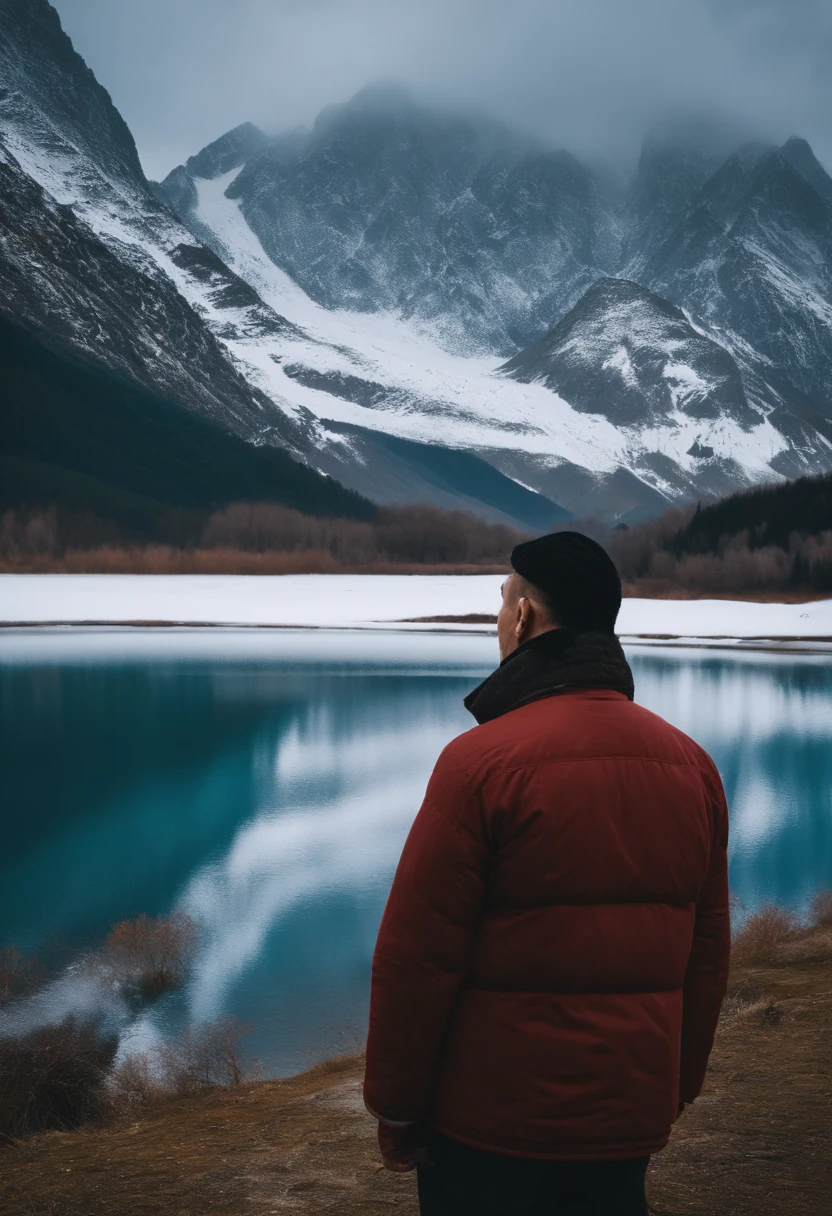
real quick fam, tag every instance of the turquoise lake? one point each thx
(264, 781)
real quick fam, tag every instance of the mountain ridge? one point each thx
(348, 294)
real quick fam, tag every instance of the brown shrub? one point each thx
(19, 974)
(762, 936)
(743, 993)
(203, 1057)
(425, 534)
(419, 533)
(820, 913)
(29, 531)
(149, 955)
(132, 1084)
(345, 1063)
(54, 1078)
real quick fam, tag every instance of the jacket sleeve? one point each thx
(706, 978)
(418, 967)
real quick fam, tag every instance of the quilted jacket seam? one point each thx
(536, 764)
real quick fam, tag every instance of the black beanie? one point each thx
(576, 575)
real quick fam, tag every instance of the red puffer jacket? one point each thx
(554, 951)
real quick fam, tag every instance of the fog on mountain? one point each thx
(420, 302)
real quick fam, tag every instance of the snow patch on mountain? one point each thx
(621, 362)
(432, 392)
(439, 389)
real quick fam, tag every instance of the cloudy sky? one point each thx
(587, 74)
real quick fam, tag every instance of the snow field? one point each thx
(365, 602)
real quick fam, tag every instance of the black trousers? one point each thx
(470, 1182)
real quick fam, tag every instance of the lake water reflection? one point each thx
(264, 781)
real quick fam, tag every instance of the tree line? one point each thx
(773, 539)
(260, 537)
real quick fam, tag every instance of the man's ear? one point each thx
(523, 613)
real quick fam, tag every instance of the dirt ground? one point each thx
(757, 1143)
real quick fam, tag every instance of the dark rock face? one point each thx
(77, 435)
(177, 191)
(63, 283)
(629, 355)
(668, 178)
(110, 301)
(753, 262)
(49, 88)
(801, 157)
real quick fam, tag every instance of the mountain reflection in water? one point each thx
(265, 782)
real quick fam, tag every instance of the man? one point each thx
(554, 952)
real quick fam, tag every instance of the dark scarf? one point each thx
(554, 662)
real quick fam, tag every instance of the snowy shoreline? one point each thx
(376, 602)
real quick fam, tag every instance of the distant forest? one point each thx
(771, 541)
(256, 538)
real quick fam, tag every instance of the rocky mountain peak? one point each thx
(228, 152)
(723, 192)
(378, 97)
(778, 193)
(629, 355)
(800, 156)
(678, 157)
(450, 219)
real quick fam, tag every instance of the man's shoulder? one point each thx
(573, 727)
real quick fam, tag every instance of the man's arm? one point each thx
(419, 962)
(706, 977)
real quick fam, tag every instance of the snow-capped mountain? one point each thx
(352, 293)
(752, 261)
(448, 219)
(94, 263)
(90, 257)
(627, 354)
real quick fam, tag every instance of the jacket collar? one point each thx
(553, 663)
